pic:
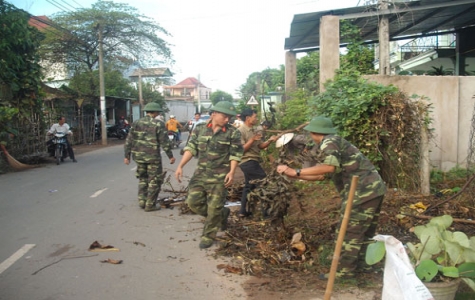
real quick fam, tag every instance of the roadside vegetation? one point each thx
(386, 125)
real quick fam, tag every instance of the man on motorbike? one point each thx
(62, 126)
(173, 125)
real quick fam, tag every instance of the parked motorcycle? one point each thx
(116, 131)
(97, 131)
(60, 146)
(173, 136)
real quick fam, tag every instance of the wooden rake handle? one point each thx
(341, 237)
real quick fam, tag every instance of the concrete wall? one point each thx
(183, 110)
(453, 99)
(329, 48)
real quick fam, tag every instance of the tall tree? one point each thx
(20, 72)
(308, 72)
(219, 95)
(258, 83)
(115, 84)
(272, 79)
(127, 37)
(251, 87)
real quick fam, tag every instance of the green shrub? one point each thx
(380, 120)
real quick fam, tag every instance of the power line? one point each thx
(78, 4)
(65, 2)
(58, 5)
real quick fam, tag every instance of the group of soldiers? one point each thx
(221, 147)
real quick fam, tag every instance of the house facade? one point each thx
(185, 93)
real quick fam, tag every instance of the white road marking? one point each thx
(16, 256)
(98, 193)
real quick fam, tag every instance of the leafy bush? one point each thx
(439, 252)
(381, 121)
(294, 113)
(437, 176)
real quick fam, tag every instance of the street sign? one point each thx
(252, 101)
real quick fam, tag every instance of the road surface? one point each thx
(49, 217)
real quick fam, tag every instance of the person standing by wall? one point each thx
(251, 140)
(343, 160)
(143, 142)
(217, 145)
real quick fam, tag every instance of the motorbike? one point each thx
(173, 136)
(97, 131)
(117, 131)
(60, 145)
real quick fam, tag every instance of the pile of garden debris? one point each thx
(291, 239)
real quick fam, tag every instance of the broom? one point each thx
(15, 164)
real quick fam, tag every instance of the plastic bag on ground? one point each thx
(400, 281)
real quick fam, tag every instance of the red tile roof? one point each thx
(39, 22)
(189, 82)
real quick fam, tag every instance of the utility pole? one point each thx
(102, 89)
(383, 34)
(140, 92)
(199, 95)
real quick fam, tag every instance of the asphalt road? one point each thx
(49, 217)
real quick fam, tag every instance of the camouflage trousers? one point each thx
(360, 231)
(207, 200)
(150, 182)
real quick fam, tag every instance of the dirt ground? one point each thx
(261, 249)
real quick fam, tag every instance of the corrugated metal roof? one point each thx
(152, 72)
(407, 20)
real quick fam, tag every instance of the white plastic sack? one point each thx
(400, 281)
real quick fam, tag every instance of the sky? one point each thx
(220, 42)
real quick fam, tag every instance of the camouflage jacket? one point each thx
(144, 140)
(349, 162)
(214, 151)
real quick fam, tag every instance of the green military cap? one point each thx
(224, 107)
(152, 106)
(321, 124)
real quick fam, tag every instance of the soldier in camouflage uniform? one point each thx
(343, 160)
(143, 142)
(217, 145)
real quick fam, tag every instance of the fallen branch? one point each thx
(454, 196)
(282, 132)
(430, 217)
(261, 222)
(70, 257)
